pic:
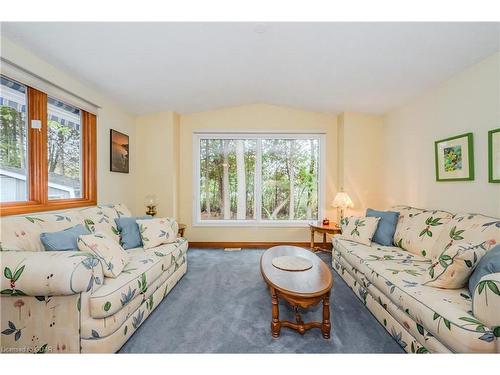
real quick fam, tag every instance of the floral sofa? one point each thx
(422, 319)
(59, 301)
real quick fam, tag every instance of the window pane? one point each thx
(227, 171)
(13, 141)
(290, 179)
(64, 150)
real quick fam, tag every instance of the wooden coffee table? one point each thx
(299, 288)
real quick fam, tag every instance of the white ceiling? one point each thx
(190, 67)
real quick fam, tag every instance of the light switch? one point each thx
(36, 124)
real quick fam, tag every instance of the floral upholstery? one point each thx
(454, 266)
(418, 230)
(359, 229)
(486, 301)
(395, 275)
(111, 255)
(49, 300)
(145, 266)
(155, 232)
(44, 273)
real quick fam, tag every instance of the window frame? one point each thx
(258, 222)
(37, 177)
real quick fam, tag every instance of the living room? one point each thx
(277, 187)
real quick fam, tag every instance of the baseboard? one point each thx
(250, 245)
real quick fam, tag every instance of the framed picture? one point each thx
(494, 155)
(119, 152)
(455, 158)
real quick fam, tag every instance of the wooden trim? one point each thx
(38, 164)
(248, 245)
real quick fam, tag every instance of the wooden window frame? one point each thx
(38, 164)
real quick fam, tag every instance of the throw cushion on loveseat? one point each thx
(111, 255)
(489, 264)
(384, 235)
(418, 230)
(155, 232)
(63, 240)
(130, 237)
(453, 267)
(359, 229)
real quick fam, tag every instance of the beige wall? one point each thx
(258, 117)
(157, 158)
(112, 187)
(468, 102)
(360, 159)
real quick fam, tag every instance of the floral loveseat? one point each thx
(59, 301)
(423, 318)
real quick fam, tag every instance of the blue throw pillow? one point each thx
(386, 228)
(64, 240)
(130, 237)
(489, 263)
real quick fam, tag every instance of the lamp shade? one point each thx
(342, 200)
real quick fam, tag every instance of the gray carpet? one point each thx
(222, 305)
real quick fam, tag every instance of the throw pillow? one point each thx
(359, 229)
(111, 255)
(64, 240)
(155, 232)
(129, 230)
(453, 267)
(490, 263)
(384, 235)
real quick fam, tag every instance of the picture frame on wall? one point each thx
(454, 158)
(494, 156)
(119, 152)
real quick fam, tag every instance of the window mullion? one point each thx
(37, 110)
(258, 182)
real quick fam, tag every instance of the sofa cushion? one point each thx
(155, 232)
(359, 229)
(23, 232)
(453, 267)
(490, 263)
(384, 235)
(446, 313)
(418, 230)
(111, 255)
(63, 240)
(144, 267)
(130, 237)
(102, 219)
(468, 228)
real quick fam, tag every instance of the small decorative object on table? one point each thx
(331, 228)
(182, 228)
(150, 202)
(326, 221)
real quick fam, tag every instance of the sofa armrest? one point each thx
(49, 273)
(486, 301)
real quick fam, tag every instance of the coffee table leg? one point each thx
(326, 325)
(275, 323)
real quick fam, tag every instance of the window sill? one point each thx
(254, 224)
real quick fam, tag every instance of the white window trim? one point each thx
(197, 136)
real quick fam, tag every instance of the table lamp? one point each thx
(342, 201)
(151, 202)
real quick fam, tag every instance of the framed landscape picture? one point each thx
(494, 155)
(119, 152)
(455, 158)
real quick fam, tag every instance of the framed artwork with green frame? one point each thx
(454, 158)
(494, 155)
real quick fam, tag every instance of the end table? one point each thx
(331, 228)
